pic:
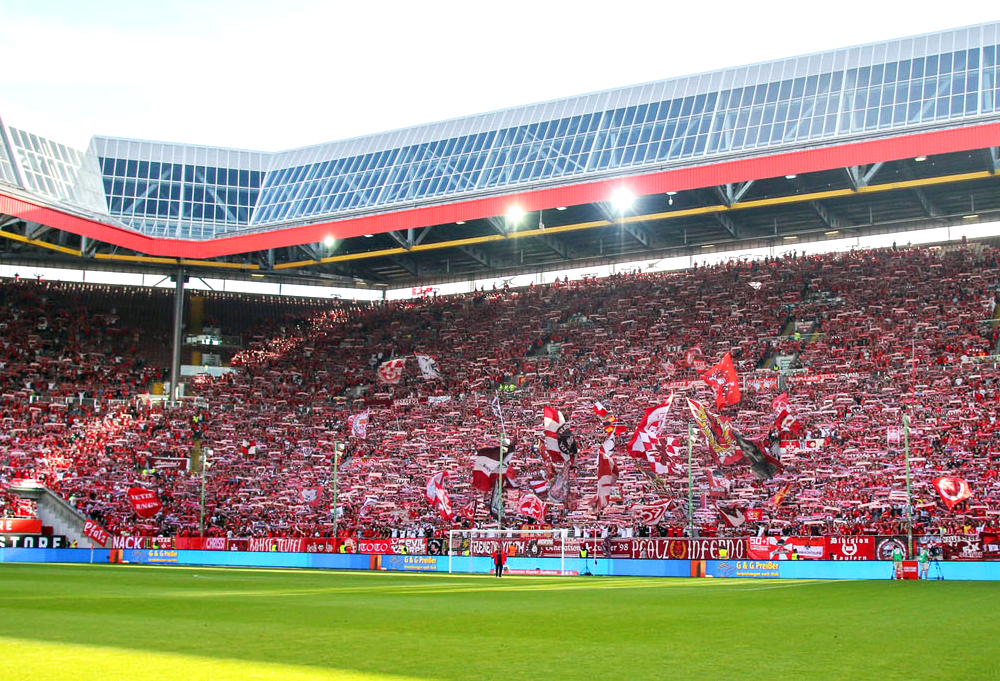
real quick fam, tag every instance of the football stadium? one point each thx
(689, 379)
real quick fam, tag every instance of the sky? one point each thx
(278, 75)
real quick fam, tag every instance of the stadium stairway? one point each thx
(55, 512)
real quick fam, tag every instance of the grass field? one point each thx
(150, 623)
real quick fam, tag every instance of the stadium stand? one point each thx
(867, 336)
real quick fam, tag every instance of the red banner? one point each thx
(95, 532)
(201, 543)
(21, 525)
(850, 548)
(144, 501)
(754, 515)
(990, 544)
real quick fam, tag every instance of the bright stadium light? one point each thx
(622, 200)
(328, 242)
(515, 214)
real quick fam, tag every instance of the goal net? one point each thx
(547, 546)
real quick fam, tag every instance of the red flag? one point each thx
(784, 419)
(723, 380)
(953, 490)
(652, 514)
(532, 506)
(144, 501)
(95, 532)
(437, 495)
(391, 371)
(469, 510)
(607, 474)
(311, 495)
(692, 355)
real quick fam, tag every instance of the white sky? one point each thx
(280, 74)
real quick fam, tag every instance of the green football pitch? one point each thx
(148, 623)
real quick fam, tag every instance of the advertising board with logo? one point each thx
(850, 548)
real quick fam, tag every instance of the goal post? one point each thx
(464, 545)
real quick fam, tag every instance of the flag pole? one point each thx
(336, 466)
(503, 451)
(909, 497)
(690, 482)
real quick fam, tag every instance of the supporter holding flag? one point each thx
(438, 496)
(784, 421)
(724, 382)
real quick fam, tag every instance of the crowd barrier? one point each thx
(616, 567)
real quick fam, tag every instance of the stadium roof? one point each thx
(894, 134)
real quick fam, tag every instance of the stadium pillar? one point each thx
(175, 361)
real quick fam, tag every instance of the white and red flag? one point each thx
(469, 510)
(559, 441)
(784, 421)
(392, 370)
(724, 382)
(428, 366)
(144, 501)
(953, 490)
(732, 514)
(311, 495)
(652, 514)
(486, 468)
(531, 506)
(607, 474)
(647, 435)
(692, 355)
(438, 496)
(357, 425)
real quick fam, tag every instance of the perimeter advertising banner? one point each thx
(33, 541)
(850, 548)
(21, 525)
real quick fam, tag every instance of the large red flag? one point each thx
(532, 506)
(95, 532)
(724, 382)
(486, 468)
(649, 442)
(144, 501)
(953, 490)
